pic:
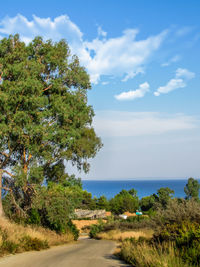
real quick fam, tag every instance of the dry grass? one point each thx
(15, 232)
(144, 255)
(81, 224)
(117, 235)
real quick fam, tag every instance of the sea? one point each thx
(144, 187)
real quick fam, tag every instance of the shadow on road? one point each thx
(113, 257)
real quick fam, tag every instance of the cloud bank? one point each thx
(122, 56)
(180, 81)
(123, 124)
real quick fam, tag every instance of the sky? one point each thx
(143, 60)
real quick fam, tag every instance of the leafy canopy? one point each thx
(44, 116)
(43, 105)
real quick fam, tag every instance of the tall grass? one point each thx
(146, 255)
(18, 238)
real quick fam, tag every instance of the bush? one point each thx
(34, 217)
(28, 243)
(177, 211)
(95, 229)
(9, 247)
(186, 237)
(73, 229)
(124, 201)
(54, 206)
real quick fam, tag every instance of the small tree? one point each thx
(124, 201)
(192, 189)
(164, 194)
(102, 203)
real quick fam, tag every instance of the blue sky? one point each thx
(143, 59)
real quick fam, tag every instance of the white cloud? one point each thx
(119, 56)
(171, 60)
(101, 32)
(184, 73)
(181, 77)
(132, 74)
(138, 93)
(170, 86)
(121, 124)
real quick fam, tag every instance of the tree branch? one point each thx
(4, 154)
(47, 88)
(13, 199)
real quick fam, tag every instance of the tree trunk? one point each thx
(1, 206)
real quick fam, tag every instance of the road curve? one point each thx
(84, 253)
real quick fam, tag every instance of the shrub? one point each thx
(34, 217)
(177, 210)
(124, 201)
(186, 237)
(9, 247)
(95, 229)
(29, 243)
(73, 229)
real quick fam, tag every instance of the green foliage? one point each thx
(164, 194)
(72, 181)
(55, 205)
(34, 217)
(95, 229)
(9, 247)
(45, 119)
(147, 203)
(186, 237)
(102, 203)
(177, 211)
(28, 243)
(124, 201)
(73, 229)
(192, 189)
(87, 202)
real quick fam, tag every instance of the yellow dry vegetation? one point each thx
(150, 255)
(15, 232)
(117, 235)
(80, 224)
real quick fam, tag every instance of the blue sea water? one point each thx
(110, 188)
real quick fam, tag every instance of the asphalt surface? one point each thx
(84, 253)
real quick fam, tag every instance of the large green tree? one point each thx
(44, 116)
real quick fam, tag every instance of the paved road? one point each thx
(84, 253)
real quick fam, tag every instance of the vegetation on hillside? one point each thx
(174, 222)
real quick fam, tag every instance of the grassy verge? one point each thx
(16, 238)
(118, 235)
(149, 255)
